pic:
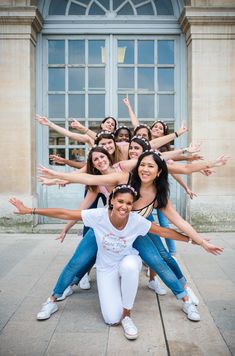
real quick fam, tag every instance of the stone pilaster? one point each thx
(210, 35)
(18, 34)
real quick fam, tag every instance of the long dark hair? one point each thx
(143, 126)
(119, 189)
(90, 167)
(142, 142)
(167, 146)
(161, 183)
(109, 117)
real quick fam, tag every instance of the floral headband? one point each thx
(140, 138)
(155, 152)
(142, 125)
(161, 122)
(124, 186)
(104, 133)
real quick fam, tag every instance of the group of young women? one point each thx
(132, 178)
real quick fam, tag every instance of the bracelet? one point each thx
(184, 150)
(33, 211)
(190, 240)
(176, 134)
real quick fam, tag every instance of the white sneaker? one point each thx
(192, 296)
(67, 292)
(157, 287)
(191, 310)
(84, 282)
(48, 308)
(130, 330)
(148, 272)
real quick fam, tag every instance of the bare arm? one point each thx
(69, 162)
(167, 233)
(134, 119)
(178, 178)
(85, 130)
(184, 226)
(196, 166)
(161, 141)
(50, 212)
(84, 178)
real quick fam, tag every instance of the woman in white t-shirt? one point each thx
(117, 264)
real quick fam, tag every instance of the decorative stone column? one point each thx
(18, 34)
(210, 38)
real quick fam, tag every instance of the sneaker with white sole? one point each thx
(48, 308)
(67, 292)
(157, 287)
(148, 272)
(192, 296)
(84, 282)
(130, 330)
(191, 310)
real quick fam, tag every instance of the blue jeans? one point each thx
(85, 256)
(163, 221)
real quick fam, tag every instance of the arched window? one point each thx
(111, 7)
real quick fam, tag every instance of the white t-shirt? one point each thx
(114, 244)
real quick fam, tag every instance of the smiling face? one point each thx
(143, 132)
(157, 130)
(108, 125)
(135, 150)
(148, 169)
(100, 161)
(123, 136)
(108, 144)
(122, 205)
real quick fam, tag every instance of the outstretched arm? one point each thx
(69, 162)
(197, 166)
(85, 130)
(134, 120)
(190, 193)
(184, 226)
(50, 212)
(161, 141)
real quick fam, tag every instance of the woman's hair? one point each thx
(161, 182)
(123, 127)
(120, 189)
(110, 136)
(142, 142)
(143, 126)
(109, 117)
(90, 167)
(167, 146)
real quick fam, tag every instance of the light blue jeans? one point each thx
(163, 221)
(85, 256)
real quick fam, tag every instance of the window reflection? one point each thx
(96, 105)
(76, 105)
(146, 78)
(56, 79)
(77, 154)
(145, 52)
(125, 78)
(126, 52)
(165, 52)
(165, 79)
(95, 51)
(145, 106)
(76, 51)
(96, 78)
(56, 105)
(58, 152)
(166, 106)
(77, 79)
(56, 53)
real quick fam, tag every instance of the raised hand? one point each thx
(57, 159)
(221, 161)
(194, 148)
(182, 129)
(78, 126)
(126, 101)
(215, 250)
(53, 181)
(46, 172)
(43, 120)
(21, 208)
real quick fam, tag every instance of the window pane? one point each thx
(56, 52)
(165, 79)
(125, 78)
(145, 106)
(166, 106)
(146, 9)
(116, 4)
(96, 78)
(105, 3)
(77, 154)
(77, 79)
(55, 138)
(95, 51)
(96, 10)
(146, 78)
(76, 52)
(122, 109)
(56, 106)
(58, 152)
(145, 52)
(56, 79)
(126, 10)
(77, 105)
(165, 52)
(125, 52)
(164, 7)
(96, 106)
(58, 7)
(77, 9)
